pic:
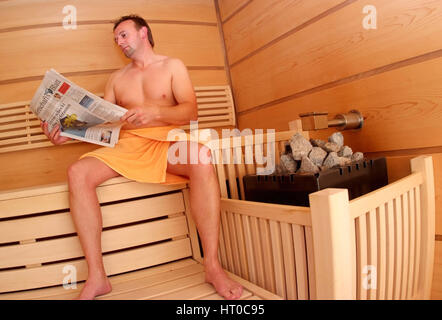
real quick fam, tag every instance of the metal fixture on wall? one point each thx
(342, 121)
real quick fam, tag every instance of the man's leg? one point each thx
(83, 178)
(205, 207)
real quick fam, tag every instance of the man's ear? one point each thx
(144, 32)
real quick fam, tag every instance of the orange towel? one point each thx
(141, 155)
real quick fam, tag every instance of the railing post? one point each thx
(334, 245)
(424, 165)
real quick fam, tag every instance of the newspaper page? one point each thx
(80, 114)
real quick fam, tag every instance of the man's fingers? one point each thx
(128, 115)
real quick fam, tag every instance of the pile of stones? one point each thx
(309, 157)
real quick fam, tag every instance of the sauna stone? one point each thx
(332, 160)
(300, 146)
(345, 152)
(307, 166)
(337, 138)
(331, 147)
(288, 164)
(357, 156)
(317, 143)
(317, 156)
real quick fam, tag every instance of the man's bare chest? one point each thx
(138, 88)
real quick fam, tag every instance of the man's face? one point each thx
(127, 37)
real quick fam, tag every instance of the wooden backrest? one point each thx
(20, 128)
(39, 246)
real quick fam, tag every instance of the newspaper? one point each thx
(80, 114)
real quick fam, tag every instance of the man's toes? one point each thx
(237, 292)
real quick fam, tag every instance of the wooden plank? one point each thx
(249, 249)
(406, 245)
(289, 261)
(192, 293)
(376, 198)
(418, 247)
(258, 251)
(382, 258)
(161, 289)
(24, 205)
(390, 250)
(309, 246)
(372, 254)
(234, 243)
(61, 223)
(334, 245)
(241, 170)
(30, 13)
(227, 241)
(178, 41)
(269, 267)
(362, 255)
(60, 291)
(140, 279)
(114, 263)
(112, 240)
(424, 165)
(239, 230)
(278, 259)
(256, 26)
(299, 244)
(399, 247)
(276, 212)
(413, 242)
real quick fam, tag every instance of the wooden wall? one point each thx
(287, 57)
(34, 40)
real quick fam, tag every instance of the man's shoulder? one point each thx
(174, 64)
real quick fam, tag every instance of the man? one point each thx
(158, 94)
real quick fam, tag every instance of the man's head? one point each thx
(139, 22)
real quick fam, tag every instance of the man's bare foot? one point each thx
(225, 286)
(94, 288)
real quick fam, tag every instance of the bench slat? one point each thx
(112, 240)
(61, 223)
(59, 292)
(55, 201)
(115, 263)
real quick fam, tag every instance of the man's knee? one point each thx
(79, 175)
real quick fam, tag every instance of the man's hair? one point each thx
(139, 23)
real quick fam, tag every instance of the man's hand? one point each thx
(54, 135)
(141, 116)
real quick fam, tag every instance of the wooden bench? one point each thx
(146, 227)
(151, 249)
